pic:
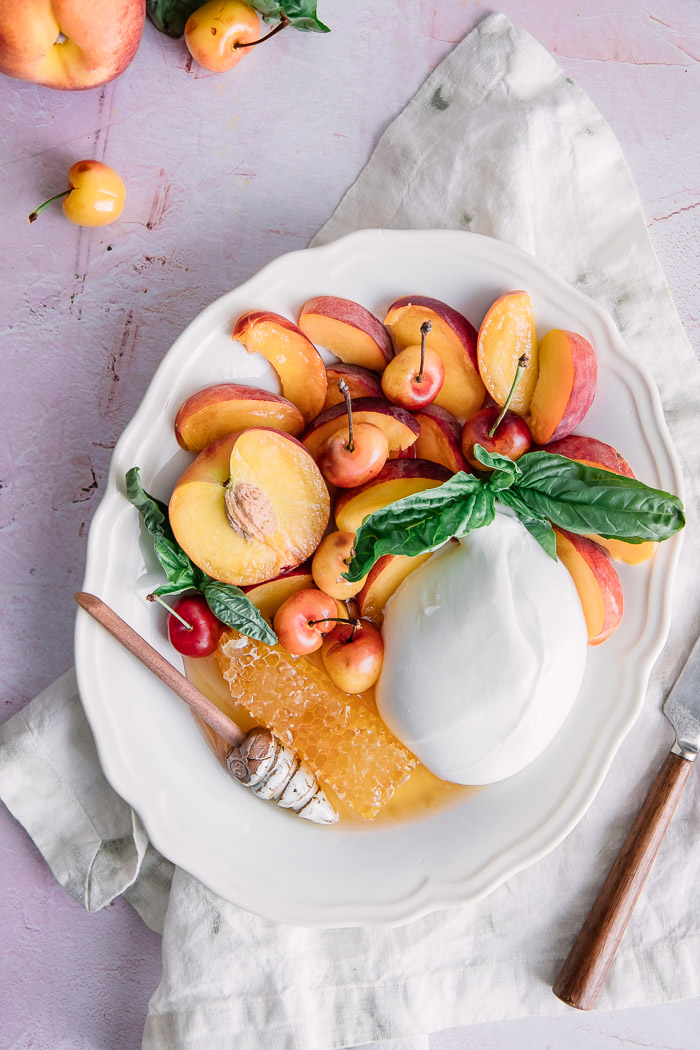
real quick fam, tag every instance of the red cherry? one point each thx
(202, 636)
(512, 436)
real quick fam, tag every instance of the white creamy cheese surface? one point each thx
(485, 650)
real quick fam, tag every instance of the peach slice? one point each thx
(565, 386)
(228, 408)
(507, 332)
(453, 338)
(294, 358)
(270, 595)
(348, 330)
(399, 425)
(440, 438)
(383, 579)
(594, 453)
(597, 583)
(361, 383)
(250, 506)
(399, 478)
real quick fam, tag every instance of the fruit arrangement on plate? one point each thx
(436, 632)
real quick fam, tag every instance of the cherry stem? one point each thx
(523, 362)
(335, 619)
(157, 598)
(345, 391)
(282, 24)
(424, 329)
(33, 216)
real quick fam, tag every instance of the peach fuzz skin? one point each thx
(565, 387)
(226, 408)
(598, 585)
(507, 332)
(453, 338)
(348, 330)
(215, 31)
(361, 382)
(100, 40)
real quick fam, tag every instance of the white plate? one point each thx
(254, 854)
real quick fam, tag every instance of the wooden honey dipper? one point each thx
(258, 759)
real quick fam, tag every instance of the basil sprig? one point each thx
(227, 602)
(541, 488)
(170, 16)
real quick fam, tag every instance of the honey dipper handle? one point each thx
(161, 668)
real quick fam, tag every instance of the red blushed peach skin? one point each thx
(399, 425)
(294, 358)
(268, 596)
(280, 507)
(383, 579)
(507, 332)
(228, 408)
(453, 338)
(440, 438)
(597, 583)
(348, 330)
(399, 478)
(565, 386)
(594, 453)
(361, 383)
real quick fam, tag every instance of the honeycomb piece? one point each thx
(341, 737)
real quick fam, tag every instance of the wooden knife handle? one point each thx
(582, 975)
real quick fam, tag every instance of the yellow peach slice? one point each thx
(250, 506)
(228, 408)
(399, 478)
(565, 386)
(440, 438)
(294, 358)
(383, 579)
(348, 330)
(597, 583)
(507, 332)
(360, 382)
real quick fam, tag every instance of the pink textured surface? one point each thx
(223, 174)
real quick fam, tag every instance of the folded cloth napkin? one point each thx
(500, 141)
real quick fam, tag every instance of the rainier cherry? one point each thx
(355, 454)
(415, 376)
(302, 621)
(353, 654)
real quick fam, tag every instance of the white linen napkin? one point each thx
(499, 141)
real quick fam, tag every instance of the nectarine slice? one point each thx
(399, 478)
(453, 338)
(250, 506)
(383, 579)
(348, 330)
(399, 425)
(228, 408)
(507, 332)
(440, 438)
(294, 358)
(597, 583)
(565, 386)
(361, 383)
(268, 596)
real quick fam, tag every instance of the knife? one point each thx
(581, 977)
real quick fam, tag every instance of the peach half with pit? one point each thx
(598, 585)
(251, 506)
(385, 577)
(399, 478)
(452, 337)
(440, 438)
(565, 387)
(348, 330)
(361, 382)
(399, 425)
(228, 408)
(506, 334)
(297, 362)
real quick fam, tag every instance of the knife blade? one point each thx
(581, 977)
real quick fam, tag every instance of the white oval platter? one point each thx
(252, 853)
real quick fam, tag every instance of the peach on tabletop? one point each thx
(440, 438)
(507, 332)
(227, 408)
(594, 453)
(268, 596)
(453, 338)
(353, 654)
(385, 576)
(511, 437)
(360, 381)
(303, 619)
(216, 33)
(597, 583)
(399, 478)
(329, 563)
(399, 425)
(565, 387)
(296, 361)
(348, 330)
(250, 506)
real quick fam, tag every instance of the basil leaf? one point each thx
(234, 608)
(504, 472)
(540, 528)
(153, 512)
(590, 500)
(170, 16)
(175, 563)
(422, 522)
(302, 15)
(171, 588)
